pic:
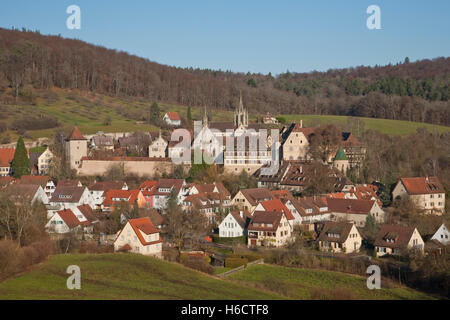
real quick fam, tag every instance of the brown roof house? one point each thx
(248, 199)
(102, 142)
(427, 193)
(355, 211)
(69, 197)
(397, 239)
(234, 224)
(269, 229)
(26, 193)
(44, 181)
(339, 237)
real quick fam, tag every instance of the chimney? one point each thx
(301, 123)
(241, 213)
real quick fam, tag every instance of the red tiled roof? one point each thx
(76, 135)
(146, 226)
(69, 218)
(87, 212)
(129, 195)
(422, 185)
(6, 156)
(277, 205)
(173, 115)
(148, 184)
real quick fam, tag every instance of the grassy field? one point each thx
(389, 127)
(123, 276)
(129, 276)
(89, 111)
(297, 283)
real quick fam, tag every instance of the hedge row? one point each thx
(225, 240)
(235, 262)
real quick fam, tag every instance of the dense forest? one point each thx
(415, 91)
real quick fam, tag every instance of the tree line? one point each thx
(417, 91)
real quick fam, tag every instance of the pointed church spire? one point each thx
(205, 118)
(241, 105)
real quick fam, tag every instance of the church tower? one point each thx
(240, 114)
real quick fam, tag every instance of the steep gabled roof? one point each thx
(422, 185)
(88, 213)
(6, 156)
(67, 194)
(242, 221)
(146, 226)
(129, 195)
(22, 191)
(69, 218)
(335, 231)
(265, 221)
(256, 195)
(277, 205)
(173, 115)
(399, 233)
(340, 155)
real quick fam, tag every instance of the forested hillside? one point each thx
(415, 91)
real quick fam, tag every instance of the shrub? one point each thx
(198, 263)
(223, 240)
(235, 262)
(10, 258)
(250, 256)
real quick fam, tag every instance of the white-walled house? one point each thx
(67, 220)
(99, 190)
(139, 236)
(234, 225)
(26, 193)
(339, 237)
(172, 118)
(69, 198)
(442, 234)
(397, 239)
(427, 193)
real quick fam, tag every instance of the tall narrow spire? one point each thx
(205, 118)
(241, 105)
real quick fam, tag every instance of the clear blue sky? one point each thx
(247, 35)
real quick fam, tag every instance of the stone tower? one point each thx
(76, 148)
(340, 161)
(240, 115)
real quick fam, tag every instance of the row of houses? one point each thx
(40, 161)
